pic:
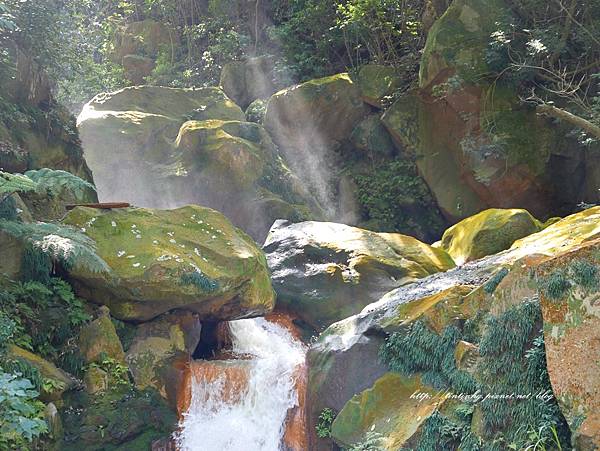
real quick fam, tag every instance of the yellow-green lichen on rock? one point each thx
(157, 342)
(395, 407)
(488, 232)
(190, 257)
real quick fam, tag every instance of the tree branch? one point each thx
(563, 115)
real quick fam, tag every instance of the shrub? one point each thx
(20, 412)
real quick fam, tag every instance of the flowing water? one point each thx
(252, 418)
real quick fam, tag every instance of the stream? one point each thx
(241, 404)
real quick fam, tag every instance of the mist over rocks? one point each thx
(164, 147)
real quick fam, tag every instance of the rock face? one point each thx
(448, 311)
(324, 272)
(137, 45)
(158, 260)
(249, 80)
(47, 136)
(309, 122)
(377, 83)
(487, 233)
(157, 343)
(570, 289)
(99, 339)
(477, 145)
(170, 147)
(387, 406)
(61, 381)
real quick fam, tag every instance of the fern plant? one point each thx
(63, 244)
(57, 181)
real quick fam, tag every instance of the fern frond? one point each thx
(16, 183)
(56, 181)
(62, 243)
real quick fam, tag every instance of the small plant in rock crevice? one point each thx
(324, 423)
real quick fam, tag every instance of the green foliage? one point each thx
(118, 372)
(585, 274)
(491, 285)
(439, 432)
(8, 209)
(15, 183)
(45, 318)
(513, 361)
(63, 244)
(323, 426)
(555, 285)
(549, 53)
(21, 414)
(396, 199)
(320, 37)
(198, 279)
(55, 182)
(417, 349)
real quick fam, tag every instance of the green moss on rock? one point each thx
(148, 251)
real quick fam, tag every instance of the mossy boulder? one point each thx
(378, 83)
(123, 419)
(476, 144)
(246, 81)
(324, 272)
(99, 339)
(170, 147)
(487, 233)
(156, 343)
(61, 381)
(395, 406)
(190, 257)
(309, 122)
(469, 300)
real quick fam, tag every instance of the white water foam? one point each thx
(256, 421)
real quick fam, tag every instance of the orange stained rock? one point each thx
(235, 374)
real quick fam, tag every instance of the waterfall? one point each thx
(229, 412)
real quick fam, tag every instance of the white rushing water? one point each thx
(255, 422)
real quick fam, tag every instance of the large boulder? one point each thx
(570, 290)
(477, 145)
(158, 260)
(164, 147)
(249, 80)
(309, 122)
(390, 407)
(487, 233)
(324, 272)
(454, 329)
